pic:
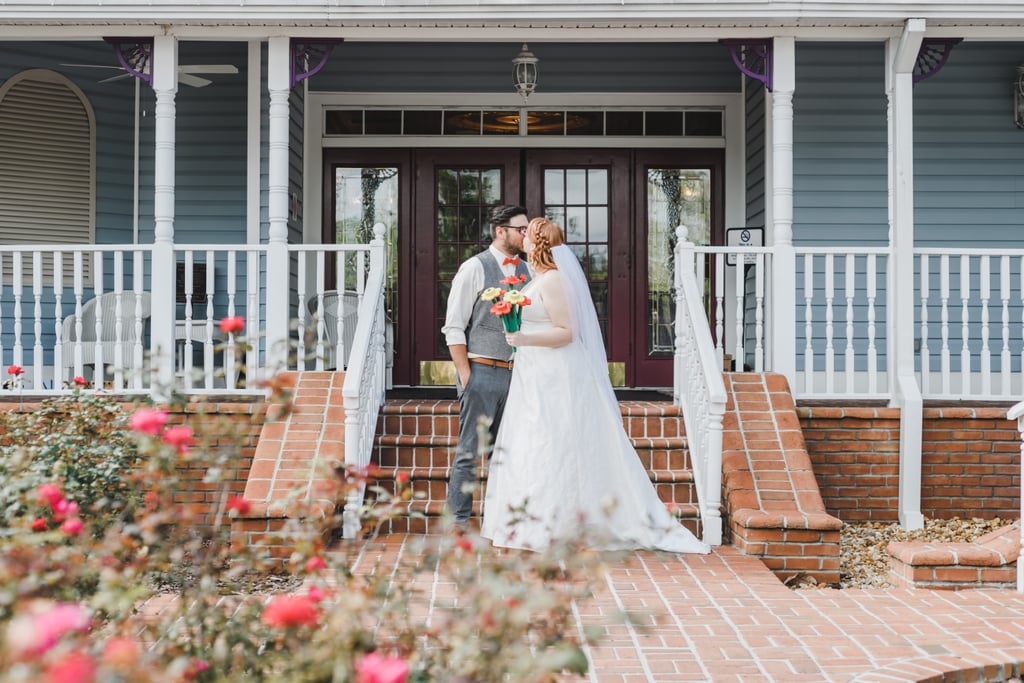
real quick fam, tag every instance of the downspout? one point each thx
(901, 55)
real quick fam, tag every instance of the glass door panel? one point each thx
(675, 196)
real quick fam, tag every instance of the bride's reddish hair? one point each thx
(545, 235)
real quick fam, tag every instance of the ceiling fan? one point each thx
(186, 72)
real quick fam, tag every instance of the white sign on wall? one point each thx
(743, 237)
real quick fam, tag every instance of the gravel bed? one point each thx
(864, 563)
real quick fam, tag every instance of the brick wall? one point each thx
(970, 461)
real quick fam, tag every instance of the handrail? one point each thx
(363, 390)
(699, 389)
(1017, 413)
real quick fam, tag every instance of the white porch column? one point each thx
(901, 55)
(278, 75)
(781, 182)
(164, 67)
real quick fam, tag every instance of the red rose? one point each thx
(287, 611)
(15, 370)
(233, 324)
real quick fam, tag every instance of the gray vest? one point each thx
(485, 336)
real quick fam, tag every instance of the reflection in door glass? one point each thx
(465, 197)
(674, 197)
(577, 199)
(364, 197)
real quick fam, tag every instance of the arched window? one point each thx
(47, 161)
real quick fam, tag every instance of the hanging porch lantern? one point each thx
(524, 72)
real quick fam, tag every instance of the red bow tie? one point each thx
(512, 261)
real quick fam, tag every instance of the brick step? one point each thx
(436, 452)
(424, 517)
(414, 418)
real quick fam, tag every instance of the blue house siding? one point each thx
(564, 67)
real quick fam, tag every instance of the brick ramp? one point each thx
(770, 495)
(294, 453)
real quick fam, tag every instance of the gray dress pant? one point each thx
(484, 397)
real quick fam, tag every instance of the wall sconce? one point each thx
(524, 72)
(1018, 97)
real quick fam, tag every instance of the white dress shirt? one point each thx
(466, 286)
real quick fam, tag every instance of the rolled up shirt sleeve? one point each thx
(468, 281)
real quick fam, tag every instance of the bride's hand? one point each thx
(514, 338)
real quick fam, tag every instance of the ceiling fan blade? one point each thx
(207, 69)
(194, 81)
(115, 78)
(94, 66)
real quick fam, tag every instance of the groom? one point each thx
(477, 345)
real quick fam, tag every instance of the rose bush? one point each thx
(105, 577)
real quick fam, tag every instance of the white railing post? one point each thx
(1017, 413)
(783, 294)
(278, 83)
(165, 84)
(901, 56)
(699, 389)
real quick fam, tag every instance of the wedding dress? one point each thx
(562, 463)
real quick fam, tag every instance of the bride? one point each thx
(562, 463)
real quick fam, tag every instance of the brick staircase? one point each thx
(416, 438)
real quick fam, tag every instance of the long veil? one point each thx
(585, 328)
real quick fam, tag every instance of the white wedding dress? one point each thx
(562, 463)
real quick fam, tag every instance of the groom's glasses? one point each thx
(520, 228)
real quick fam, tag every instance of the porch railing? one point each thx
(699, 389)
(365, 379)
(1017, 413)
(971, 320)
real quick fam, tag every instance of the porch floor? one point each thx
(726, 617)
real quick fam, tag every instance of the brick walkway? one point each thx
(725, 617)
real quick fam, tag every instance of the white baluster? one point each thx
(944, 299)
(186, 343)
(16, 287)
(97, 291)
(848, 357)
(1004, 298)
(759, 313)
(230, 350)
(719, 261)
(739, 360)
(872, 349)
(321, 323)
(830, 352)
(1, 298)
(79, 328)
(209, 346)
(809, 387)
(925, 363)
(138, 379)
(985, 292)
(300, 314)
(117, 362)
(965, 327)
(58, 320)
(37, 320)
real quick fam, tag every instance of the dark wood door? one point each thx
(587, 193)
(670, 188)
(455, 191)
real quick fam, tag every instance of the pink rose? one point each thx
(39, 524)
(315, 563)
(179, 436)
(50, 626)
(76, 667)
(287, 611)
(233, 324)
(149, 421)
(121, 652)
(79, 381)
(376, 669)
(72, 527)
(239, 505)
(15, 370)
(49, 494)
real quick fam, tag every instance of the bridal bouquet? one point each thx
(508, 304)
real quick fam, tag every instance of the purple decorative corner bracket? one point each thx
(135, 55)
(932, 57)
(753, 57)
(308, 57)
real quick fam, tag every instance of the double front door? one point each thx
(618, 208)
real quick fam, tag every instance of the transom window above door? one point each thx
(679, 123)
